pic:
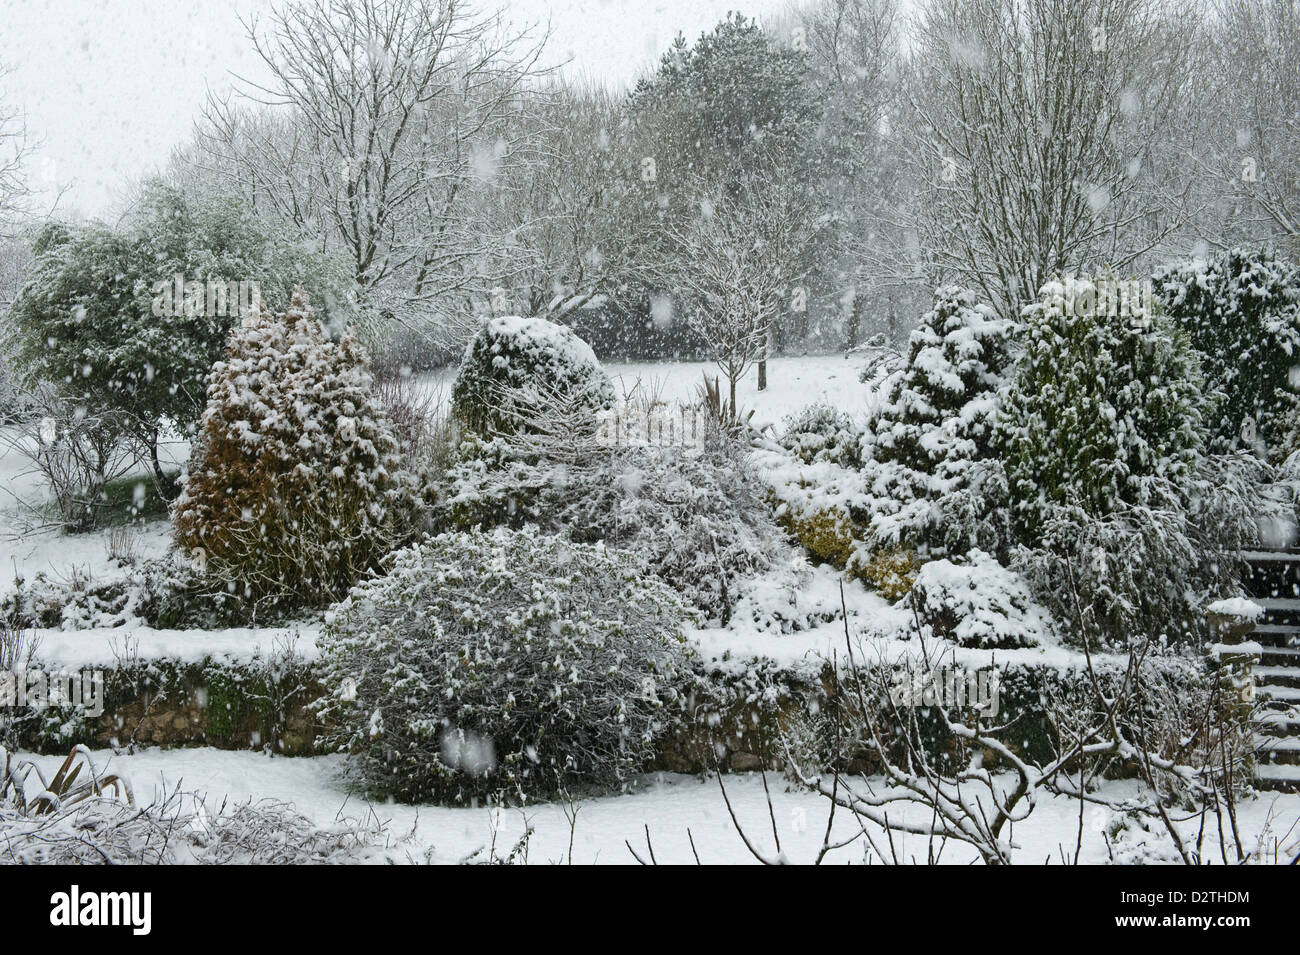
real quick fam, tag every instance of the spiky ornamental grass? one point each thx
(295, 474)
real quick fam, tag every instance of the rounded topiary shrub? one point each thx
(514, 367)
(978, 603)
(295, 472)
(505, 663)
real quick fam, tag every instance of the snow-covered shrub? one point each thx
(697, 519)
(504, 662)
(492, 482)
(1134, 839)
(821, 432)
(15, 402)
(78, 450)
(178, 830)
(163, 592)
(936, 420)
(1149, 569)
(1122, 518)
(1242, 311)
(892, 570)
(295, 471)
(101, 319)
(513, 364)
(1103, 412)
(977, 603)
(827, 530)
(978, 514)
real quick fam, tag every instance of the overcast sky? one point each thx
(110, 86)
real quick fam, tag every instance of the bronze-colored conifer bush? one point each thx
(295, 471)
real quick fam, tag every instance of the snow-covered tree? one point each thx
(100, 320)
(380, 126)
(935, 424)
(698, 519)
(1250, 130)
(1039, 138)
(1242, 311)
(295, 472)
(726, 131)
(563, 203)
(856, 59)
(1127, 528)
(735, 264)
(1105, 410)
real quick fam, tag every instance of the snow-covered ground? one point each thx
(28, 546)
(792, 383)
(674, 809)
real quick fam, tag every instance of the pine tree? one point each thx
(295, 470)
(936, 420)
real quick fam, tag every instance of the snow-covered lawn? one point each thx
(792, 383)
(665, 804)
(28, 547)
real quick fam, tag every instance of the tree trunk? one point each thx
(855, 321)
(167, 488)
(762, 360)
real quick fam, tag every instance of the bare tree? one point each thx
(15, 151)
(562, 204)
(737, 264)
(856, 58)
(380, 122)
(1251, 120)
(1039, 131)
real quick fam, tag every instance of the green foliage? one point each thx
(1241, 310)
(92, 321)
(163, 593)
(1105, 411)
(295, 476)
(129, 500)
(1127, 529)
(728, 98)
(507, 663)
(514, 367)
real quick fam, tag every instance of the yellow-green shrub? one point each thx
(891, 570)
